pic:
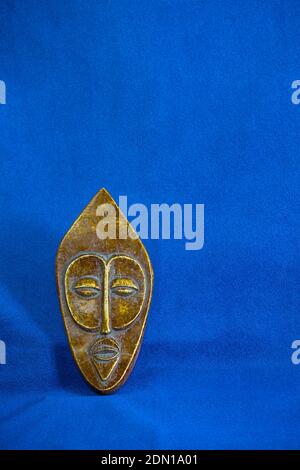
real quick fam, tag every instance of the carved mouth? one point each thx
(105, 349)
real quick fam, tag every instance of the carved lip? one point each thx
(105, 349)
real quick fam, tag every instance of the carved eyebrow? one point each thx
(124, 286)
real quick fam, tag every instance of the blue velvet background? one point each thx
(164, 101)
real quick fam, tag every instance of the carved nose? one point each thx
(105, 320)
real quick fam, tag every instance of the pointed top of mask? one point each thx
(102, 228)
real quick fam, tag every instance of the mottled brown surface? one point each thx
(104, 288)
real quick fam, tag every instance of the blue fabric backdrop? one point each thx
(163, 101)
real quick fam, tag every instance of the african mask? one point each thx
(104, 286)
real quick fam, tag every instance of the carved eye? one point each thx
(124, 287)
(87, 287)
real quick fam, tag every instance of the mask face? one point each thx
(105, 288)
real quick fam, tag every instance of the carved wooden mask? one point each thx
(104, 288)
